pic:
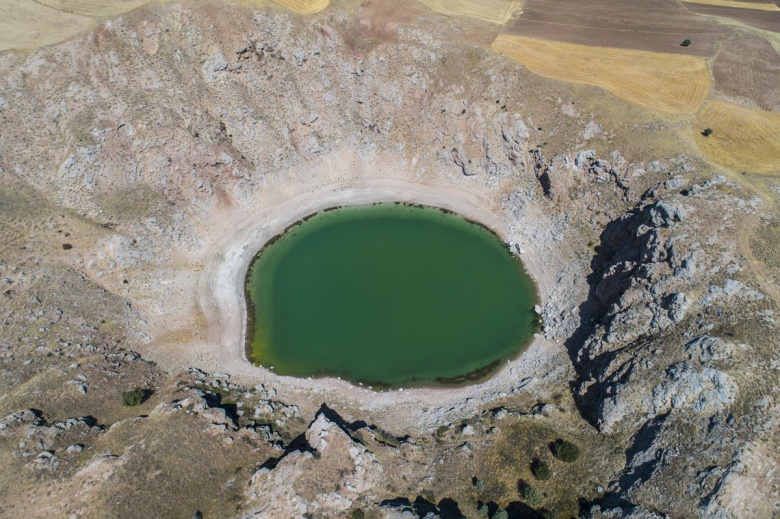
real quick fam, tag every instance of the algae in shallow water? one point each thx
(387, 294)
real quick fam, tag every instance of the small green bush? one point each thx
(685, 43)
(565, 451)
(501, 514)
(541, 470)
(532, 495)
(133, 397)
(483, 510)
(478, 484)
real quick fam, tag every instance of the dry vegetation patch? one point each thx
(492, 11)
(666, 83)
(25, 24)
(94, 7)
(742, 139)
(761, 6)
(304, 6)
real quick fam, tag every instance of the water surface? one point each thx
(389, 295)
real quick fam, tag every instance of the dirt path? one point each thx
(769, 283)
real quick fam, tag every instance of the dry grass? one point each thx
(29, 24)
(303, 6)
(742, 139)
(492, 11)
(95, 8)
(665, 83)
(26, 24)
(731, 3)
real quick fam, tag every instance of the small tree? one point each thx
(707, 132)
(501, 514)
(133, 397)
(478, 484)
(532, 495)
(565, 451)
(686, 43)
(541, 470)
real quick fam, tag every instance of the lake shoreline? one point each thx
(221, 282)
(453, 220)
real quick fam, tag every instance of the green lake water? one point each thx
(388, 295)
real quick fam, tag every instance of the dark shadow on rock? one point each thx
(447, 508)
(450, 506)
(299, 444)
(518, 510)
(618, 246)
(350, 428)
(642, 441)
(492, 507)
(215, 400)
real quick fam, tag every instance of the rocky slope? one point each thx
(126, 153)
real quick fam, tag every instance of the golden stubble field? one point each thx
(759, 6)
(492, 11)
(29, 24)
(667, 83)
(742, 139)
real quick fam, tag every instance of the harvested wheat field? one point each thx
(492, 11)
(304, 6)
(766, 19)
(27, 24)
(666, 83)
(742, 139)
(761, 6)
(94, 7)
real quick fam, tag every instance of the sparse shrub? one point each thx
(707, 132)
(549, 514)
(133, 397)
(686, 43)
(501, 514)
(541, 470)
(532, 495)
(565, 451)
(67, 246)
(357, 514)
